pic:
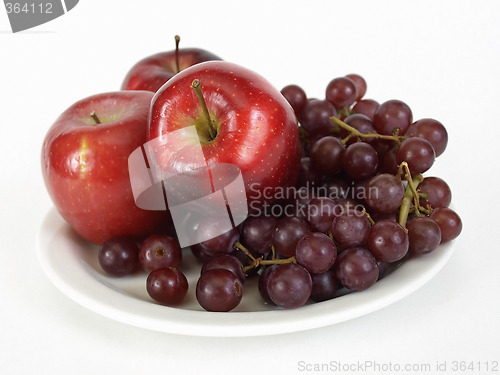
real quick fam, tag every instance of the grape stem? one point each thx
(256, 262)
(368, 217)
(410, 195)
(353, 132)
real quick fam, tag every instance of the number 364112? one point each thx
(26, 8)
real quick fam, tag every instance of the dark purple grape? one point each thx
(315, 117)
(263, 283)
(316, 252)
(288, 232)
(424, 235)
(388, 241)
(361, 123)
(360, 84)
(351, 228)
(437, 190)
(341, 92)
(384, 193)
(350, 204)
(418, 153)
(391, 115)
(360, 161)
(377, 216)
(300, 199)
(227, 262)
(336, 188)
(326, 155)
(219, 290)
(320, 213)
(258, 232)
(167, 286)
(199, 253)
(210, 227)
(367, 107)
(289, 285)
(308, 175)
(449, 222)
(160, 251)
(324, 285)
(389, 163)
(385, 268)
(433, 131)
(119, 256)
(296, 96)
(356, 269)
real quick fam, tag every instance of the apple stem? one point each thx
(196, 85)
(177, 40)
(95, 118)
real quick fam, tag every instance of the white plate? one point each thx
(71, 264)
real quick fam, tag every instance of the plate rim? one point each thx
(129, 310)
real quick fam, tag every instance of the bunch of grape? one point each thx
(360, 208)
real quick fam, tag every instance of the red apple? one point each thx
(253, 127)
(85, 165)
(153, 71)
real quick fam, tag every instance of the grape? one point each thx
(385, 268)
(219, 290)
(361, 123)
(308, 175)
(167, 286)
(417, 152)
(263, 283)
(227, 262)
(296, 96)
(389, 163)
(431, 130)
(356, 269)
(388, 241)
(351, 228)
(391, 115)
(160, 251)
(385, 193)
(258, 233)
(315, 117)
(324, 285)
(424, 235)
(288, 232)
(200, 254)
(349, 204)
(211, 227)
(336, 188)
(289, 285)
(301, 198)
(316, 252)
(377, 216)
(326, 155)
(360, 161)
(367, 107)
(119, 256)
(437, 190)
(341, 92)
(320, 213)
(360, 84)
(449, 222)
(382, 146)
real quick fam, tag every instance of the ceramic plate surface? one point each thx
(71, 264)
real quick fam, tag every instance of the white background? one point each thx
(441, 57)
